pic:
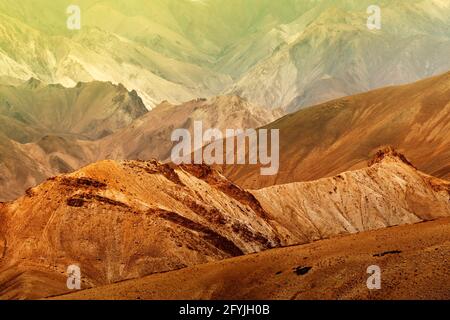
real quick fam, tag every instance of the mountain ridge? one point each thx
(289, 54)
(123, 220)
(343, 134)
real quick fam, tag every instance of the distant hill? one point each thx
(47, 129)
(150, 136)
(88, 110)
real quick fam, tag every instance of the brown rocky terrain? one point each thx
(341, 135)
(124, 220)
(121, 220)
(317, 142)
(98, 129)
(414, 262)
(389, 192)
(150, 136)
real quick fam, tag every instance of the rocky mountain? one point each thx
(344, 134)
(389, 192)
(329, 52)
(50, 130)
(81, 118)
(88, 110)
(289, 54)
(122, 220)
(150, 136)
(47, 50)
(47, 129)
(96, 121)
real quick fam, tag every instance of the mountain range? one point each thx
(286, 54)
(124, 220)
(89, 115)
(315, 142)
(343, 134)
(50, 129)
(47, 129)
(88, 110)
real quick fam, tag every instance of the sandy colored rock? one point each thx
(389, 192)
(121, 220)
(125, 220)
(150, 136)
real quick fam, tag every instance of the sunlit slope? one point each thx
(150, 136)
(127, 219)
(389, 192)
(122, 220)
(52, 53)
(343, 134)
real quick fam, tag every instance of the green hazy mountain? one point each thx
(287, 53)
(88, 110)
(334, 54)
(48, 129)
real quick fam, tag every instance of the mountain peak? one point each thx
(33, 83)
(391, 153)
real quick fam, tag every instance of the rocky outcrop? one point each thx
(389, 192)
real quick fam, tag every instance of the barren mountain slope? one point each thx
(45, 129)
(414, 262)
(138, 52)
(335, 54)
(122, 220)
(289, 53)
(91, 110)
(389, 192)
(343, 134)
(150, 136)
(53, 122)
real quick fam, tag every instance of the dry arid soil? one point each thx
(414, 261)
